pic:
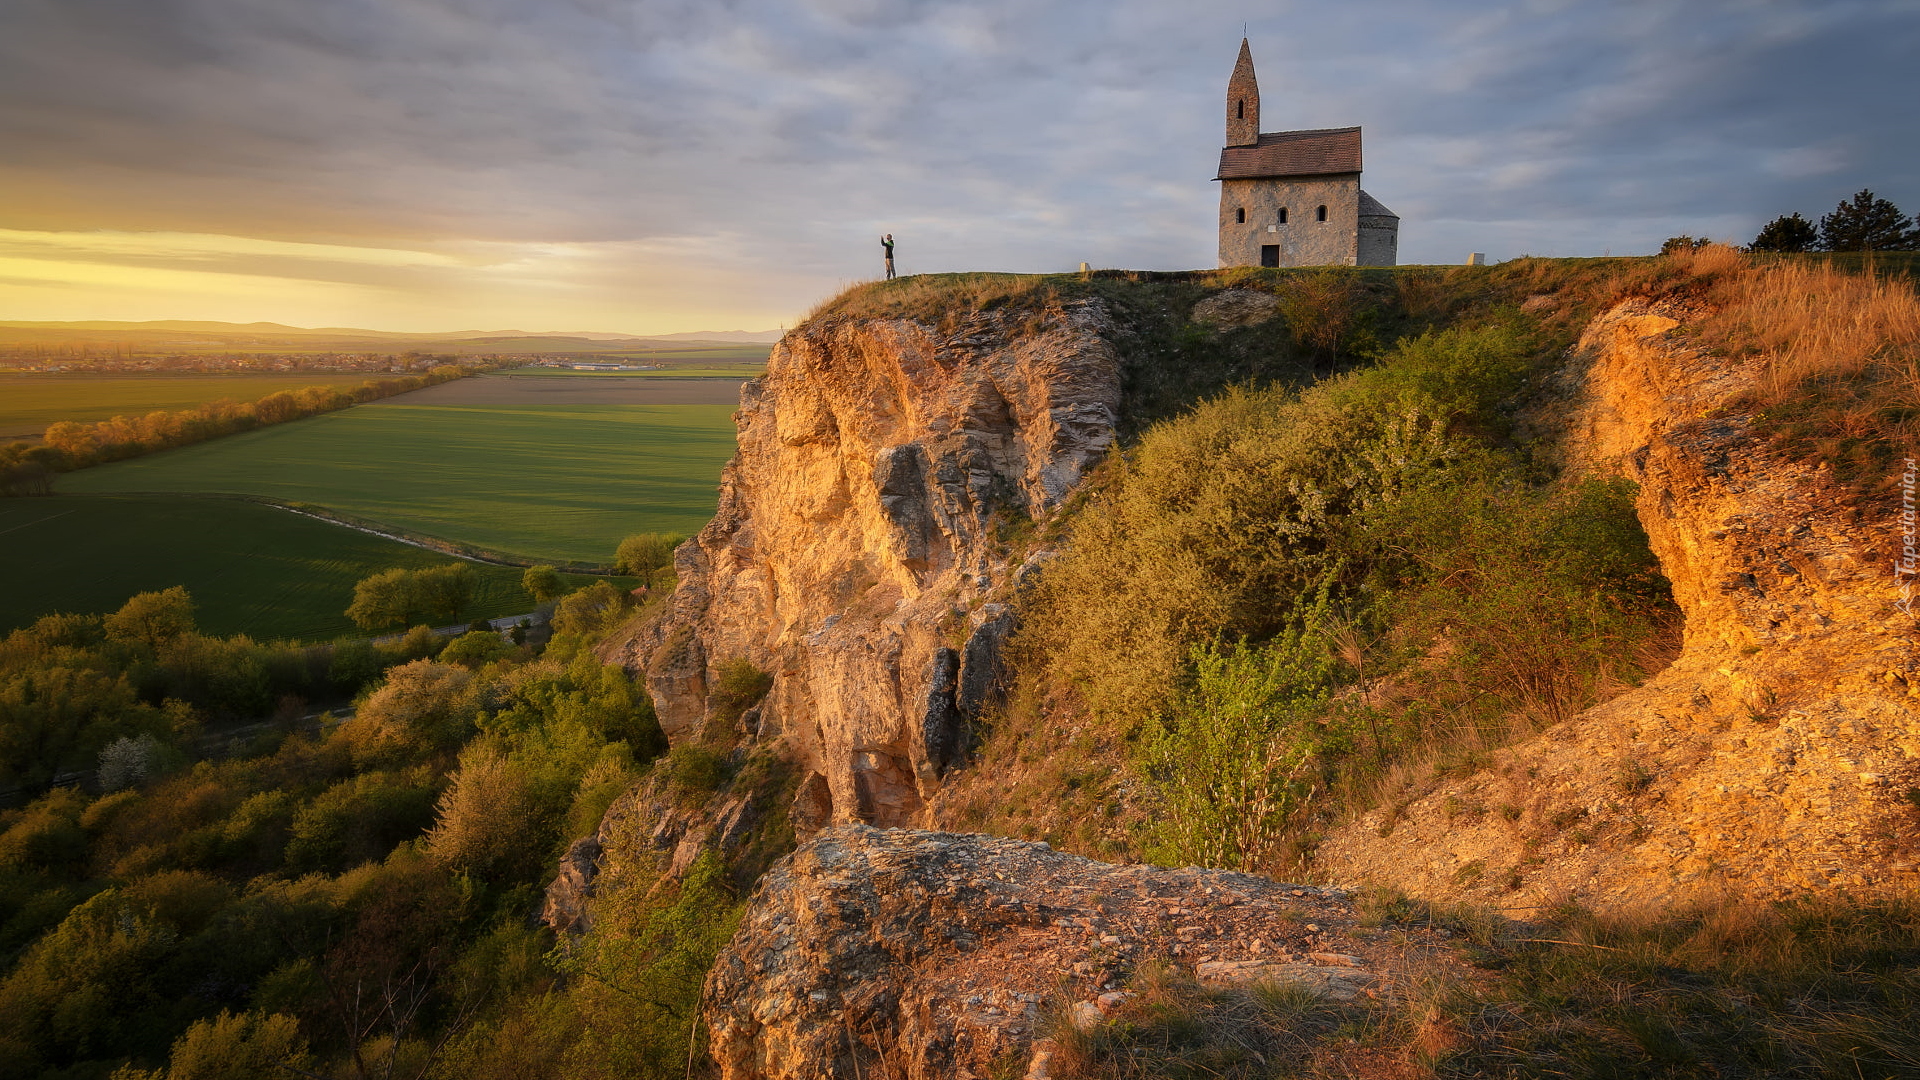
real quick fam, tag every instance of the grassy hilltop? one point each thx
(1328, 557)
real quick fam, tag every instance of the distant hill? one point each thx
(193, 336)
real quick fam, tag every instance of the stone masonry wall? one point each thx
(1303, 241)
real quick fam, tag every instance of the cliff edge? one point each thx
(861, 532)
(1779, 755)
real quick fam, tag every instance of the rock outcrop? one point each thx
(1778, 755)
(928, 955)
(861, 536)
(650, 832)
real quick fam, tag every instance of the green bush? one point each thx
(591, 611)
(640, 971)
(360, 820)
(738, 686)
(694, 771)
(1242, 749)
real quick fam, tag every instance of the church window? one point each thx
(1239, 110)
(1283, 215)
(1240, 216)
(1320, 214)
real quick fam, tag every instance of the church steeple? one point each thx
(1243, 101)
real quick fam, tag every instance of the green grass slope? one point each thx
(547, 484)
(252, 568)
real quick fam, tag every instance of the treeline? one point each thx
(1865, 222)
(334, 900)
(26, 469)
(71, 686)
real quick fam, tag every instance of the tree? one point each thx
(445, 591)
(153, 618)
(590, 610)
(1786, 233)
(385, 599)
(1866, 223)
(483, 818)
(1676, 244)
(542, 583)
(475, 649)
(644, 554)
(423, 706)
(400, 597)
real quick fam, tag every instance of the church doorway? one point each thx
(1269, 254)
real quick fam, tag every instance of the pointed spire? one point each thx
(1243, 101)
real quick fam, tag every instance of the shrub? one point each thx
(398, 597)
(738, 686)
(423, 706)
(476, 649)
(359, 820)
(1239, 752)
(127, 762)
(641, 968)
(591, 611)
(486, 822)
(231, 1047)
(152, 618)
(694, 771)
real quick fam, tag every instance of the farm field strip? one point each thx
(560, 483)
(714, 371)
(28, 403)
(252, 568)
(547, 393)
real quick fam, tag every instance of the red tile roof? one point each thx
(1294, 153)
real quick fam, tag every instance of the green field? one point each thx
(731, 371)
(254, 569)
(560, 483)
(28, 403)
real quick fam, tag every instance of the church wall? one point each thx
(1379, 241)
(1303, 241)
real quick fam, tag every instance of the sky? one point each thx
(660, 166)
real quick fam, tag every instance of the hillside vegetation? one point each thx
(1336, 557)
(1320, 592)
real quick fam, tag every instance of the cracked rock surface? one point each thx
(923, 954)
(1778, 756)
(859, 538)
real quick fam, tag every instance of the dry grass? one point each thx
(1175, 1028)
(1839, 360)
(1730, 989)
(941, 298)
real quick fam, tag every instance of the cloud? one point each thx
(763, 144)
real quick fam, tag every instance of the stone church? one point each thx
(1293, 198)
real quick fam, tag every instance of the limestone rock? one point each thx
(853, 553)
(1230, 309)
(921, 955)
(1738, 768)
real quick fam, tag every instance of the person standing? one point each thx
(886, 248)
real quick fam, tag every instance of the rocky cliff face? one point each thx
(860, 537)
(935, 956)
(1779, 754)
